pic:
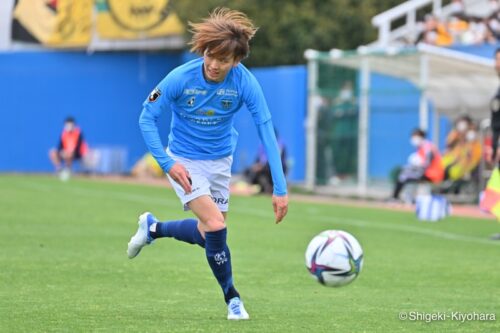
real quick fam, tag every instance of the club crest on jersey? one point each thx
(190, 102)
(226, 104)
(154, 95)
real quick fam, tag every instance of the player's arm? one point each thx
(280, 195)
(268, 138)
(157, 101)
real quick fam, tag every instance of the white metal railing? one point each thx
(408, 9)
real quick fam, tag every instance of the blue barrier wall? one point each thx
(285, 92)
(394, 113)
(103, 91)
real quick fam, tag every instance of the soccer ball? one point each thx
(334, 258)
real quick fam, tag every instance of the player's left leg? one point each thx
(212, 222)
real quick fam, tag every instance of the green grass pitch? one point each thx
(63, 266)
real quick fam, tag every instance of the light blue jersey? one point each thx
(202, 117)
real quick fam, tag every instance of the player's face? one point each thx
(216, 68)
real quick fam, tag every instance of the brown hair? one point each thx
(224, 33)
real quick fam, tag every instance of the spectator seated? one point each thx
(462, 156)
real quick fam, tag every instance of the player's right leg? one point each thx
(142, 236)
(150, 228)
(186, 230)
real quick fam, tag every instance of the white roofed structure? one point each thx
(455, 83)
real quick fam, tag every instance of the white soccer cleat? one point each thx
(236, 310)
(141, 237)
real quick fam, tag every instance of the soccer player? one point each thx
(203, 96)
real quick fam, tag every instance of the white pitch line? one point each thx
(380, 225)
(74, 189)
(139, 198)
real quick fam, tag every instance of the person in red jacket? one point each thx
(72, 147)
(423, 165)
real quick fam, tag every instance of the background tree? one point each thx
(288, 27)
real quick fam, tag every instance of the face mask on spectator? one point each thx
(416, 141)
(69, 127)
(461, 126)
(470, 136)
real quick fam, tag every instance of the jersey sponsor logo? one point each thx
(154, 95)
(190, 102)
(203, 121)
(227, 92)
(226, 104)
(220, 201)
(194, 91)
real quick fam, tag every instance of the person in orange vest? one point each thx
(72, 147)
(423, 165)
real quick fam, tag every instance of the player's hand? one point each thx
(180, 174)
(280, 206)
